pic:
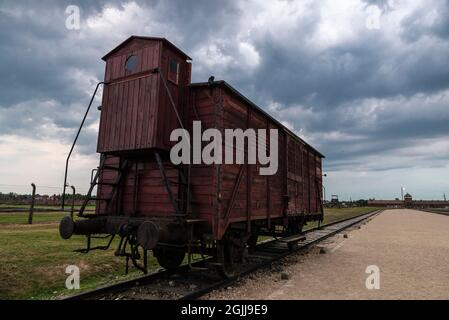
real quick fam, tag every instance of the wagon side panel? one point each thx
(246, 195)
(306, 179)
(203, 107)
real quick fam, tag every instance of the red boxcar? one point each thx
(216, 209)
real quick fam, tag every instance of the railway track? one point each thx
(188, 283)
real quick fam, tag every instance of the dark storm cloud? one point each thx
(197, 19)
(398, 123)
(40, 96)
(39, 63)
(432, 23)
(319, 88)
(364, 69)
(384, 5)
(34, 58)
(35, 63)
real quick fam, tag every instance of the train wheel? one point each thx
(225, 255)
(169, 258)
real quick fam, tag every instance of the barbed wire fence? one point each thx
(25, 188)
(12, 195)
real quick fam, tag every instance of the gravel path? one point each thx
(410, 248)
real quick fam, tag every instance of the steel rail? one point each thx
(199, 293)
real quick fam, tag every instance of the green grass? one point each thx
(45, 207)
(26, 206)
(38, 217)
(33, 259)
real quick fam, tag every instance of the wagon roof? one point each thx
(226, 85)
(171, 45)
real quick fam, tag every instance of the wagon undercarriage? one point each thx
(171, 240)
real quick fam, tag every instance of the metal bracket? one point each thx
(89, 240)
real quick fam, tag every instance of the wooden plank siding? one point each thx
(136, 111)
(137, 118)
(257, 197)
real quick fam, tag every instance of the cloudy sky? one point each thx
(364, 81)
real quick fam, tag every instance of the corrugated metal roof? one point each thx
(252, 104)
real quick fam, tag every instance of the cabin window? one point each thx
(131, 63)
(173, 71)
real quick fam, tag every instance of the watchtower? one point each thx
(408, 200)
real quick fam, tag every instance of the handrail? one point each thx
(74, 142)
(164, 82)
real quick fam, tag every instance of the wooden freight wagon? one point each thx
(213, 209)
(240, 193)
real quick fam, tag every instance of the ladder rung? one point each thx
(101, 199)
(112, 168)
(107, 183)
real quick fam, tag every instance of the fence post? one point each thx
(33, 197)
(73, 202)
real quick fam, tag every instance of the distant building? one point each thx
(408, 202)
(386, 203)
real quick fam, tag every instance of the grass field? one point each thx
(33, 258)
(43, 216)
(26, 207)
(23, 206)
(22, 217)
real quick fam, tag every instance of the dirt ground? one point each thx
(410, 248)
